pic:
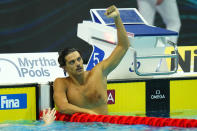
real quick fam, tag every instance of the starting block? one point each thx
(146, 55)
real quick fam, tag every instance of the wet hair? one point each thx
(64, 53)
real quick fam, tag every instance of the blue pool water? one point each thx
(93, 126)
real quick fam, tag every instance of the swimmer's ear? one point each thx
(63, 67)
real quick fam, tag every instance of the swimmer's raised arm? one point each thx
(61, 101)
(123, 42)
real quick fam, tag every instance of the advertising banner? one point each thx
(16, 68)
(127, 98)
(18, 102)
(187, 65)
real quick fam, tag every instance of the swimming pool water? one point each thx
(25, 125)
(73, 126)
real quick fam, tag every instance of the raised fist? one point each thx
(112, 12)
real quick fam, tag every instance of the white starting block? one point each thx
(146, 55)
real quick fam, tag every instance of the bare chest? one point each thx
(90, 95)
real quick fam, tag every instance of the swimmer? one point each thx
(86, 91)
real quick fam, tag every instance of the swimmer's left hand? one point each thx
(49, 116)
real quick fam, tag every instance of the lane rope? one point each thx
(126, 120)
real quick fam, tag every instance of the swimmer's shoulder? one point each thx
(61, 82)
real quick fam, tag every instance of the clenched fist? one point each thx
(112, 12)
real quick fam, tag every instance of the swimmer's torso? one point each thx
(92, 95)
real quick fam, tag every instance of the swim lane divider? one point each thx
(126, 120)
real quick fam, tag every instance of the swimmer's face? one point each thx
(74, 63)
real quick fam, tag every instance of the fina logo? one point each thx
(13, 101)
(32, 67)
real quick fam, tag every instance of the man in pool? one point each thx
(86, 91)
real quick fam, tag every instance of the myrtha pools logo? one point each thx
(26, 67)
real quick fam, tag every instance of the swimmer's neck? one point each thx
(79, 79)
